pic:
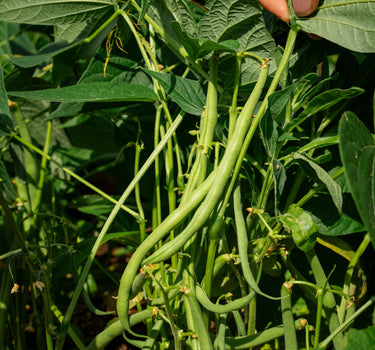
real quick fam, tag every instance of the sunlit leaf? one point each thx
(347, 23)
(51, 11)
(91, 92)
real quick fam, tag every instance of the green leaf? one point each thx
(347, 23)
(323, 101)
(144, 7)
(5, 179)
(333, 187)
(198, 49)
(5, 121)
(242, 21)
(279, 178)
(91, 92)
(51, 11)
(360, 339)
(43, 55)
(357, 151)
(118, 70)
(320, 142)
(301, 226)
(328, 220)
(187, 93)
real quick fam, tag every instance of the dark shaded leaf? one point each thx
(357, 151)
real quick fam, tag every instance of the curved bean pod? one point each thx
(175, 218)
(223, 173)
(257, 339)
(243, 243)
(115, 329)
(222, 309)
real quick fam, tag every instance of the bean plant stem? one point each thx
(348, 275)
(329, 302)
(107, 224)
(76, 176)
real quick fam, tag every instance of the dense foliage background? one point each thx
(182, 174)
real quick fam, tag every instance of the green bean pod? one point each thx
(203, 334)
(243, 243)
(173, 219)
(222, 309)
(258, 339)
(115, 329)
(288, 320)
(223, 173)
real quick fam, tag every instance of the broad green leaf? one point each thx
(347, 23)
(324, 101)
(51, 11)
(360, 339)
(270, 135)
(183, 15)
(242, 21)
(328, 220)
(43, 55)
(5, 121)
(91, 92)
(301, 226)
(333, 187)
(118, 70)
(357, 151)
(187, 93)
(198, 49)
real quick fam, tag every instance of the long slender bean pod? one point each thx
(163, 229)
(220, 339)
(108, 223)
(288, 320)
(153, 335)
(115, 329)
(223, 173)
(203, 335)
(242, 241)
(236, 304)
(258, 339)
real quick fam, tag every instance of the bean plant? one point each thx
(184, 174)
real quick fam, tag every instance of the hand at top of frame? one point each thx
(279, 8)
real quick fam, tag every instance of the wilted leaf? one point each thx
(301, 226)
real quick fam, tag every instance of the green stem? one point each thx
(77, 177)
(344, 325)
(108, 223)
(329, 302)
(42, 174)
(348, 275)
